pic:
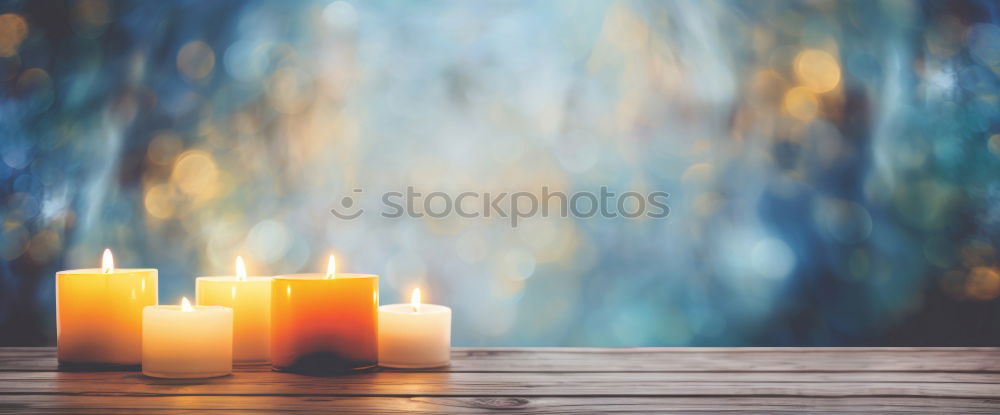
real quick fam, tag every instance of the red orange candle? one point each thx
(324, 323)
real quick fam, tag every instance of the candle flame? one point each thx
(186, 305)
(331, 268)
(107, 262)
(241, 269)
(415, 300)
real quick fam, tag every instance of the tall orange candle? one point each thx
(324, 323)
(99, 315)
(250, 299)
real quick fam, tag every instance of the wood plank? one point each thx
(658, 359)
(547, 380)
(728, 359)
(541, 405)
(407, 384)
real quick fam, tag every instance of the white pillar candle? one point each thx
(414, 335)
(187, 342)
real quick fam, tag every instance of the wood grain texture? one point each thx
(722, 359)
(936, 384)
(476, 405)
(546, 380)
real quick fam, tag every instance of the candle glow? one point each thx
(107, 262)
(415, 300)
(186, 305)
(241, 269)
(331, 268)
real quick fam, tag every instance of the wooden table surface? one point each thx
(546, 380)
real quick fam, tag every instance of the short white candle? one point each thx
(414, 335)
(187, 342)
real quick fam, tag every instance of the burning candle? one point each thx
(414, 335)
(99, 315)
(250, 299)
(187, 341)
(324, 323)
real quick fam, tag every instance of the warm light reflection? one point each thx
(800, 103)
(196, 60)
(415, 300)
(107, 262)
(817, 70)
(13, 31)
(331, 268)
(241, 269)
(186, 305)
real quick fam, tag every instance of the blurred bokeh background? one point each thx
(834, 166)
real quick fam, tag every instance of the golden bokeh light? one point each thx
(196, 174)
(158, 202)
(983, 283)
(817, 70)
(196, 60)
(994, 144)
(800, 103)
(13, 30)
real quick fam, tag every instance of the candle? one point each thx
(250, 299)
(324, 323)
(187, 341)
(99, 315)
(414, 335)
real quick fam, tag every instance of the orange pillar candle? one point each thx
(324, 323)
(99, 315)
(250, 299)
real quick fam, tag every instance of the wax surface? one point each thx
(250, 300)
(187, 344)
(323, 325)
(409, 339)
(99, 316)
